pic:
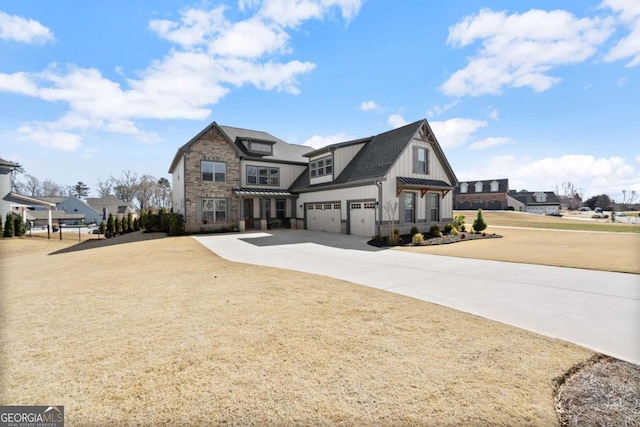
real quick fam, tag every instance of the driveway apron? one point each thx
(595, 309)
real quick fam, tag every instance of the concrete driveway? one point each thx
(595, 309)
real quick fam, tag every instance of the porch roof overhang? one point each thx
(261, 192)
(422, 185)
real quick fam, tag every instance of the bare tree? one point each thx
(146, 190)
(163, 193)
(32, 186)
(391, 213)
(627, 199)
(53, 189)
(105, 188)
(126, 185)
(16, 184)
(572, 193)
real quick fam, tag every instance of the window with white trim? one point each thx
(433, 200)
(213, 171)
(464, 187)
(263, 175)
(321, 167)
(261, 147)
(214, 210)
(495, 186)
(281, 205)
(479, 186)
(422, 161)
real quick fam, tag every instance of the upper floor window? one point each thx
(421, 160)
(541, 197)
(263, 175)
(494, 186)
(213, 171)
(464, 187)
(321, 167)
(260, 147)
(479, 187)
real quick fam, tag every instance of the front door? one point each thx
(247, 208)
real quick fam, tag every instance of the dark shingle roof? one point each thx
(503, 186)
(423, 182)
(527, 198)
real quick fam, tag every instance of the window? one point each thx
(214, 171)
(260, 147)
(479, 187)
(263, 175)
(214, 210)
(464, 187)
(408, 205)
(434, 207)
(280, 208)
(321, 167)
(420, 160)
(494, 186)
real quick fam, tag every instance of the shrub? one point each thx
(130, 227)
(458, 221)
(479, 224)
(0, 223)
(136, 224)
(111, 226)
(176, 224)
(448, 228)
(434, 231)
(9, 228)
(454, 231)
(18, 227)
(417, 239)
(118, 225)
(414, 230)
(125, 224)
(103, 227)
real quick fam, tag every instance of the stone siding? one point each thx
(211, 146)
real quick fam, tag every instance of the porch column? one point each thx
(49, 220)
(241, 223)
(263, 215)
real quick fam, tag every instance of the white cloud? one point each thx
(490, 142)
(628, 47)
(50, 138)
(437, 109)
(519, 50)
(396, 121)
(212, 56)
(318, 141)
(455, 132)
(494, 114)
(594, 175)
(23, 30)
(368, 106)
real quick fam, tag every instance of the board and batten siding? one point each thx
(5, 188)
(178, 187)
(288, 173)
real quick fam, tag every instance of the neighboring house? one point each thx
(349, 187)
(236, 178)
(76, 210)
(231, 177)
(538, 202)
(491, 194)
(15, 203)
(109, 205)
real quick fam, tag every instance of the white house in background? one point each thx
(347, 187)
(538, 202)
(15, 203)
(70, 210)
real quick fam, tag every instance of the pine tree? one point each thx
(8, 225)
(118, 225)
(479, 224)
(130, 227)
(18, 227)
(111, 226)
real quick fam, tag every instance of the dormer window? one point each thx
(261, 148)
(541, 197)
(494, 186)
(321, 167)
(464, 187)
(479, 187)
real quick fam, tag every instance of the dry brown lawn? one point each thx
(165, 332)
(564, 248)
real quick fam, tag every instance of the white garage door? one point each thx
(362, 220)
(324, 217)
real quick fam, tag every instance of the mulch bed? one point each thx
(406, 239)
(603, 391)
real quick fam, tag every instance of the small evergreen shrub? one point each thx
(103, 227)
(130, 227)
(479, 224)
(176, 224)
(458, 222)
(111, 226)
(136, 224)
(125, 224)
(18, 227)
(448, 228)
(0, 224)
(434, 231)
(454, 231)
(414, 230)
(9, 228)
(118, 225)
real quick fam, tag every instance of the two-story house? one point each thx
(227, 177)
(354, 187)
(490, 194)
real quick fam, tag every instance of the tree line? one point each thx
(143, 192)
(575, 198)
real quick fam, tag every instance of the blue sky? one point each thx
(540, 92)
